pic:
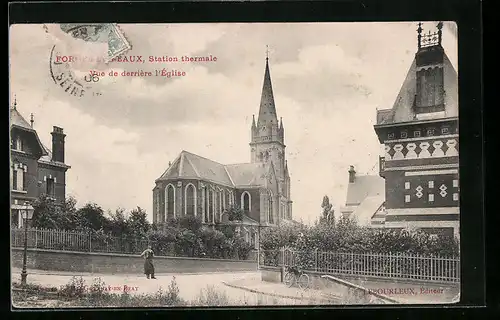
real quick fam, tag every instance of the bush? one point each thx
(76, 288)
(211, 297)
(347, 236)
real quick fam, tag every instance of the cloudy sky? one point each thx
(328, 80)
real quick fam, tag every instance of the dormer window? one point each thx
(404, 135)
(17, 144)
(445, 130)
(430, 132)
(416, 134)
(390, 136)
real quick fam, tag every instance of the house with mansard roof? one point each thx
(197, 186)
(35, 170)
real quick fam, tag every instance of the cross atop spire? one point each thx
(15, 102)
(267, 52)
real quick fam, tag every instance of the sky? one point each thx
(328, 81)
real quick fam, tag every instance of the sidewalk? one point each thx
(279, 290)
(326, 296)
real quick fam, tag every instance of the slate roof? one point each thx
(247, 174)
(364, 186)
(367, 209)
(402, 110)
(189, 165)
(17, 119)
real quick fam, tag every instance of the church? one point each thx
(418, 183)
(35, 170)
(201, 187)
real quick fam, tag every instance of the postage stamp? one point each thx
(224, 164)
(107, 33)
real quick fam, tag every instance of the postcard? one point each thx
(234, 164)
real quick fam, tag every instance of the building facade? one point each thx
(35, 170)
(420, 137)
(194, 185)
(365, 199)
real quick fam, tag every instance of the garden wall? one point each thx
(55, 260)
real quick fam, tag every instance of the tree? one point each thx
(118, 224)
(91, 216)
(328, 214)
(234, 213)
(137, 222)
(46, 214)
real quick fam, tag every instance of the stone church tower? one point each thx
(268, 142)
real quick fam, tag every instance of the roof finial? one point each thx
(440, 32)
(267, 52)
(32, 120)
(15, 101)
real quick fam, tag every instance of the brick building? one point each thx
(194, 185)
(35, 170)
(418, 183)
(420, 137)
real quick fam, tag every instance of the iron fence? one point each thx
(390, 266)
(81, 241)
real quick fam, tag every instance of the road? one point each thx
(190, 285)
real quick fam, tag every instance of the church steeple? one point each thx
(267, 110)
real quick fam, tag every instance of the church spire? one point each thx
(267, 111)
(15, 103)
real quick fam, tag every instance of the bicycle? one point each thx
(295, 276)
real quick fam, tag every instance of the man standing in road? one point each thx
(149, 268)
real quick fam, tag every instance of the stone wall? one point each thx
(54, 260)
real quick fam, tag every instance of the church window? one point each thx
(445, 130)
(208, 205)
(170, 202)
(230, 198)
(431, 184)
(416, 134)
(431, 197)
(455, 183)
(190, 200)
(407, 198)
(220, 195)
(404, 135)
(407, 185)
(270, 208)
(245, 202)
(390, 136)
(455, 197)
(430, 132)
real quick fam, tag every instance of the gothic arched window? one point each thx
(190, 200)
(270, 208)
(245, 202)
(170, 208)
(210, 205)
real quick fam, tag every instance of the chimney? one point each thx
(32, 120)
(58, 144)
(352, 174)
